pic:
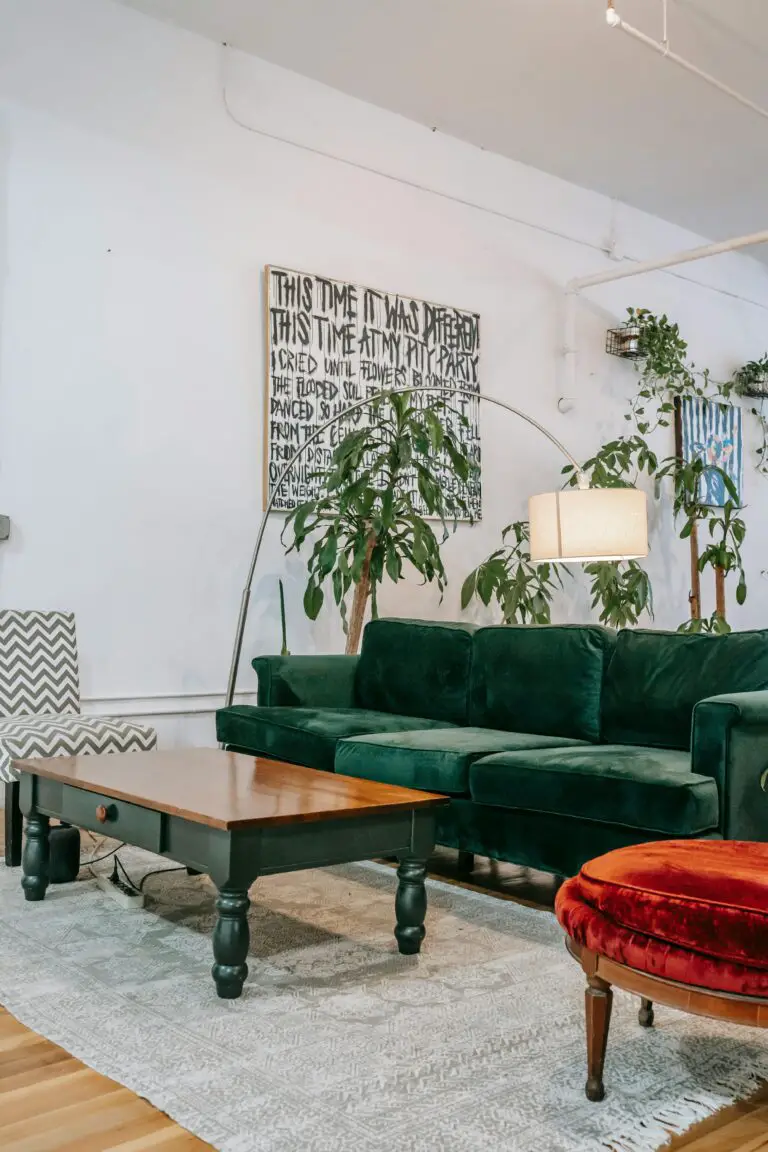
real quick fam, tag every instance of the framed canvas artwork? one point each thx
(331, 343)
(713, 433)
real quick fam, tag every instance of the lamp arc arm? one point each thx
(340, 416)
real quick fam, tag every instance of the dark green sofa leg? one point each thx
(466, 862)
(13, 824)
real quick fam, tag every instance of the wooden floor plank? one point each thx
(53, 1103)
(742, 1127)
(74, 1090)
(35, 1072)
(37, 1075)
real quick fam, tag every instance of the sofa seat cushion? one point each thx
(305, 736)
(691, 911)
(649, 788)
(435, 761)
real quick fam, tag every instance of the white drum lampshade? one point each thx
(586, 524)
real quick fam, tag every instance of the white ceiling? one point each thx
(545, 82)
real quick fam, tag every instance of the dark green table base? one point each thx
(235, 858)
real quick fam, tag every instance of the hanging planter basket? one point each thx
(752, 381)
(625, 342)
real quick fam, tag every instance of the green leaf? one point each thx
(327, 557)
(468, 588)
(434, 429)
(313, 600)
(394, 563)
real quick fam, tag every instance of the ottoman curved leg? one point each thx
(598, 999)
(645, 1015)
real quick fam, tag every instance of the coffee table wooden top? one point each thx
(227, 789)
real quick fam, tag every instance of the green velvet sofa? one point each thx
(555, 744)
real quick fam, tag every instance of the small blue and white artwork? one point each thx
(712, 433)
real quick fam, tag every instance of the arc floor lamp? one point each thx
(577, 525)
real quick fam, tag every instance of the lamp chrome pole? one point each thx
(245, 599)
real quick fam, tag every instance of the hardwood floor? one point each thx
(50, 1102)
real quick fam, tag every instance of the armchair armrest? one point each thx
(730, 744)
(306, 681)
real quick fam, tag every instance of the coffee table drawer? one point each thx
(123, 821)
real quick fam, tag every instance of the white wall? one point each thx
(135, 219)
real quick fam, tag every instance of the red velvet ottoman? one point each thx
(680, 922)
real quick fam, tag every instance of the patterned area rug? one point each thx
(338, 1041)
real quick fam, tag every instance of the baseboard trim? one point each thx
(160, 704)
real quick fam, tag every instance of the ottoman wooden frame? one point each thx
(604, 974)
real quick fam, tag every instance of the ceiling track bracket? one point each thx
(614, 20)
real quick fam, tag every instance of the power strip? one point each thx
(121, 893)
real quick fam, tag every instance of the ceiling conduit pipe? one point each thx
(637, 268)
(662, 47)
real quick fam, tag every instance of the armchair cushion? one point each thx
(416, 668)
(436, 760)
(31, 736)
(305, 736)
(649, 788)
(544, 679)
(655, 679)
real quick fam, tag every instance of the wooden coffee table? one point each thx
(236, 818)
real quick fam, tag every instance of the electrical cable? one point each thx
(372, 171)
(460, 200)
(106, 856)
(159, 872)
(119, 864)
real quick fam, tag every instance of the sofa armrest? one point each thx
(306, 681)
(730, 744)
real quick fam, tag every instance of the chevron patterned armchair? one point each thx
(40, 706)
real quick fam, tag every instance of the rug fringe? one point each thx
(677, 1118)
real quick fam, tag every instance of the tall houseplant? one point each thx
(365, 523)
(523, 590)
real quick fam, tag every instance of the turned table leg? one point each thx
(598, 999)
(410, 905)
(230, 943)
(35, 857)
(645, 1014)
(13, 825)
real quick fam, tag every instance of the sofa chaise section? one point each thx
(409, 677)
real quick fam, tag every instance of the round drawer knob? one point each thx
(104, 813)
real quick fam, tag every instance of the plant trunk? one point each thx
(694, 596)
(720, 592)
(360, 601)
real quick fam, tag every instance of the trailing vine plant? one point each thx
(751, 381)
(622, 591)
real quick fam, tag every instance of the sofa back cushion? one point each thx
(655, 679)
(545, 679)
(415, 668)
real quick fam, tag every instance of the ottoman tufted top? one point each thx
(694, 911)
